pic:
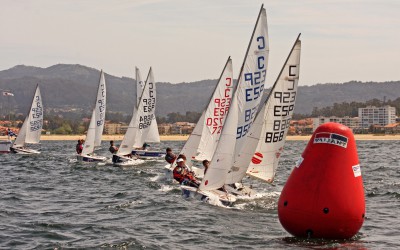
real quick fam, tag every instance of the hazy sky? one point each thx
(190, 40)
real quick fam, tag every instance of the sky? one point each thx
(190, 40)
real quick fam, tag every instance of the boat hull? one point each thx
(91, 158)
(126, 161)
(225, 198)
(240, 190)
(24, 151)
(148, 154)
(5, 147)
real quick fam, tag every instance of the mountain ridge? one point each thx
(74, 85)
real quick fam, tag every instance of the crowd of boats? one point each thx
(237, 133)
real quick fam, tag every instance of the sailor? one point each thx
(206, 164)
(182, 173)
(113, 149)
(145, 146)
(11, 133)
(79, 147)
(170, 157)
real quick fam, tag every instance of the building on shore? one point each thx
(114, 128)
(163, 129)
(351, 122)
(301, 127)
(380, 116)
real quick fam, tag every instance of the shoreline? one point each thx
(358, 137)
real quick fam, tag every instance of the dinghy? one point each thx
(242, 110)
(270, 130)
(96, 125)
(31, 129)
(203, 141)
(152, 135)
(264, 144)
(138, 126)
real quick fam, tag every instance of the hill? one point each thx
(74, 86)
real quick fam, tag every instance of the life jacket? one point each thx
(112, 149)
(170, 158)
(79, 148)
(178, 174)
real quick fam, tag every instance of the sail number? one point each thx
(253, 84)
(35, 125)
(249, 115)
(221, 107)
(148, 105)
(102, 107)
(145, 121)
(283, 111)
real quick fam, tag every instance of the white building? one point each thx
(372, 115)
(351, 122)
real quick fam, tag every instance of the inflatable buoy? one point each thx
(324, 195)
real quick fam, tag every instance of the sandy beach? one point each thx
(364, 137)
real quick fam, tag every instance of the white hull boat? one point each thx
(91, 158)
(31, 128)
(121, 161)
(96, 125)
(148, 153)
(5, 147)
(24, 151)
(208, 196)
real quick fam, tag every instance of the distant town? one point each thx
(370, 120)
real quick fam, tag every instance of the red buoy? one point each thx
(324, 195)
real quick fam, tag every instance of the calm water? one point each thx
(50, 201)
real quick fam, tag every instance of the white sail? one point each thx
(146, 110)
(153, 134)
(203, 141)
(224, 153)
(31, 129)
(215, 114)
(192, 144)
(141, 119)
(97, 120)
(250, 87)
(88, 146)
(265, 142)
(100, 109)
(20, 140)
(129, 137)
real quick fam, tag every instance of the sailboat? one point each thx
(241, 114)
(263, 146)
(138, 126)
(151, 135)
(96, 125)
(31, 129)
(203, 141)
